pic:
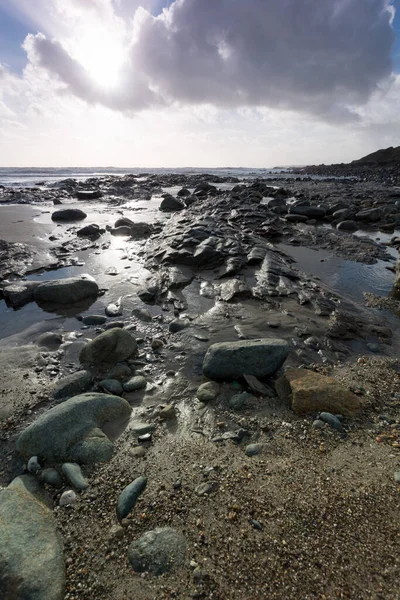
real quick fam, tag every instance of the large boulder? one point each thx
(72, 431)
(68, 214)
(110, 347)
(31, 553)
(171, 204)
(310, 392)
(158, 551)
(66, 291)
(230, 360)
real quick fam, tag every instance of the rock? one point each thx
(68, 214)
(121, 231)
(73, 473)
(227, 361)
(178, 325)
(92, 232)
(71, 431)
(110, 347)
(349, 226)
(139, 428)
(115, 309)
(94, 320)
(332, 420)
(119, 372)
(135, 384)
(66, 291)
(112, 386)
(49, 340)
(183, 193)
(238, 401)
(234, 288)
(168, 413)
(136, 230)
(369, 215)
(311, 392)
(397, 476)
(19, 293)
(88, 194)
(72, 385)
(208, 392)
(116, 533)
(256, 386)
(253, 450)
(158, 551)
(137, 452)
(142, 314)
(205, 488)
(52, 477)
(33, 465)
(157, 345)
(312, 212)
(67, 498)
(31, 553)
(171, 204)
(129, 496)
(318, 424)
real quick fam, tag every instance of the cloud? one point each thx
(321, 57)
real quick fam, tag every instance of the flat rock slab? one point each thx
(110, 347)
(31, 554)
(158, 551)
(71, 431)
(229, 360)
(311, 392)
(71, 290)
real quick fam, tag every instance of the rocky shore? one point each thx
(188, 412)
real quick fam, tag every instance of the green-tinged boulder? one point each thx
(31, 553)
(71, 431)
(262, 358)
(109, 348)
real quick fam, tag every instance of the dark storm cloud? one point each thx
(315, 56)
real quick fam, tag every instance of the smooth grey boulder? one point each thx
(92, 232)
(171, 204)
(73, 473)
(50, 340)
(31, 553)
(349, 226)
(68, 214)
(66, 291)
(129, 496)
(228, 361)
(112, 386)
(71, 431)
(52, 477)
(135, 383)
(110, 347)
(72, 385)
(158, 551)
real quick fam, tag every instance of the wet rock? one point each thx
(311, 212)
(119, 372)
(93, 232)
(19, 293)
(168, 413)
(395, 292)
(184, 192)
(52, 477)
(49, 340)
(72, 385)
(234, 288)
(94, 320)
(253, 449)
(311, 392)
(110, 347)
(136, 230)
(296, 218)
(208, 392)
(115, 309)
(178, 325)
(68, 214)
(369, 215)
(88, 194)
(123, 231)
(73, 473)
(135, 383)
(227, 361)
(142, 314)
(349, 226)
(32, 562)
(158, 551)
(71, 431)
(129, 496)
(171, 204)
(66, 291)
(112, 386)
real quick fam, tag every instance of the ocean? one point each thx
(26, 177)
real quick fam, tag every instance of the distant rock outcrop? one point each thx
(381, 157)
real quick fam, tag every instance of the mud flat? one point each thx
(279, 477)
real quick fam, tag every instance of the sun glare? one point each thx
(102, 56)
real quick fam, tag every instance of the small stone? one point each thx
(158, 551)
(397, 476)
(137, 452)
(157, 344)
(129, 496)
(144, 438)
(116, 532)
(318, 424)
(67, 498)
(168, 413)
(73, 473)
(208, 391)
(238, 401)
(113, 386)
(140, 428)
(135, 384)
(52, 477)
(34, 466)
(332, 421)
(253, 449)
(256, 524)
(177, 485)
(204, 489)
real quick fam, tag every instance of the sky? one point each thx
(202, 83)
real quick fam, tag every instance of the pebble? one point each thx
(168, 413)
(318, 424)
(139, 428)
(145, 438)
(332, 421)
(253, 449)
(116, 532)
(208, 391)
(67, 498)
(129, 496)
(256, 524)
(204, 489)
(73, 473)
(137, 452)
(135, 384)
(34, 466)
(397, 476)
(52, 477)
(157, 344)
